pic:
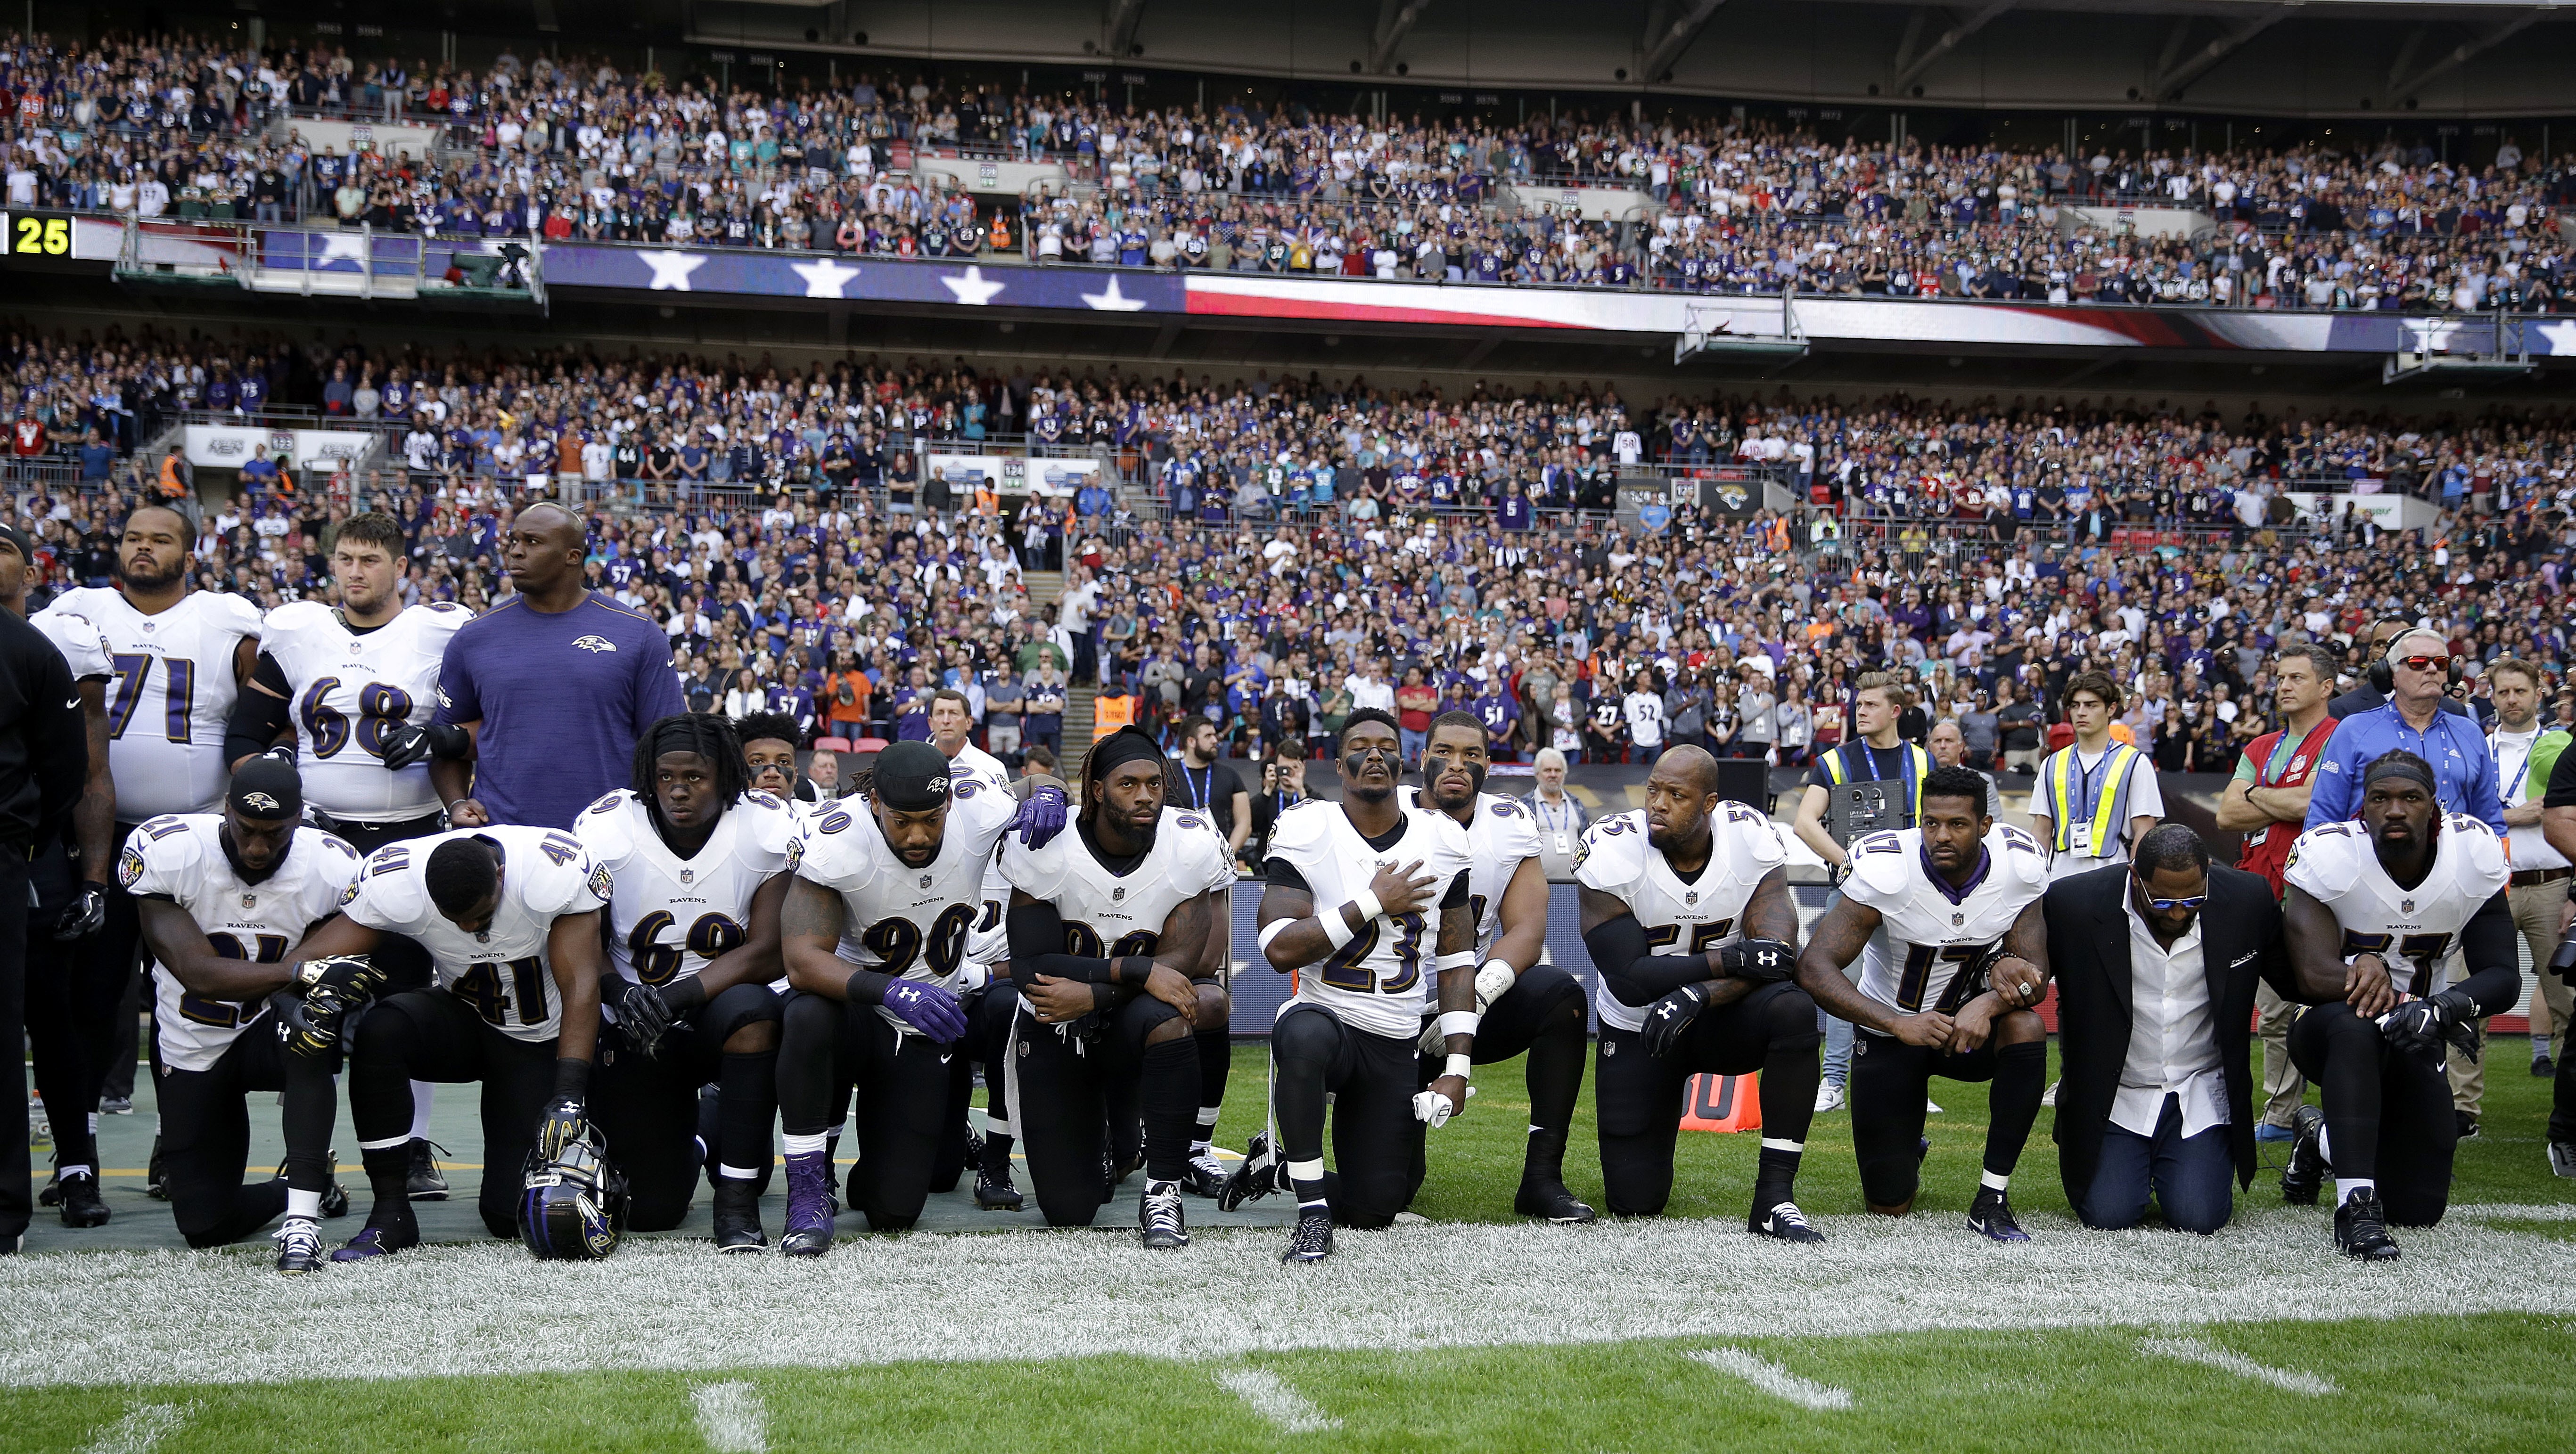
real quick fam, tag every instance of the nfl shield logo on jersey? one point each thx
(688, 875)
(927, 880)
(1958, 919)
(1691, 898)
(2406, 906)
(1118, 894)
(250, 901)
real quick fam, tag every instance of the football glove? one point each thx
(565, 1121)
(2422, 1028)
(1763, 961)
(406, 745)
(85, 915)
(1041, 817)
(354, 974)
(1432, 1109)
(1668, 1017)
(642, 1016)
(310, 1024)
(927, 1008)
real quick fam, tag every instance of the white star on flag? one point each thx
(337, 247)
(1113, 301)
(671, 269)
(824, 279)
(971, 289)
(2561, 336)
(2430, 335)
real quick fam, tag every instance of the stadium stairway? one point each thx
(1045, 587)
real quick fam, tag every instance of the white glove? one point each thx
(970, 978)
(1432, 1109)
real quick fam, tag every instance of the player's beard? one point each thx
(162, 582)
(1475, 785)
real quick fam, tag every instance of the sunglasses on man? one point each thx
(2167, 906)
(2425, 663)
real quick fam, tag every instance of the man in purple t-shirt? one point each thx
(555, 684)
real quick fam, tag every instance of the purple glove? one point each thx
(1041, 817)
(927, 1008)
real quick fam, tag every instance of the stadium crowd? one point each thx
(581, 149)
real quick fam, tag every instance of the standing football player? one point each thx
(223, 898)
(353, 686)
(1522, 1006)
(2388, 903)
(988, 1010)
(66, 1004)
(1108, 926)
(180, 657)
(1687, 915)
(1932, 912)
(700, 865)
(1353, 890)
(511, 919)
(874, 934)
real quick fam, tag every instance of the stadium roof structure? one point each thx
(2209, 57)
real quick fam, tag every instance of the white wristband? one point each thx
(1336, 932)
(1270, 931)
(1463, 959)
(1458, 1022)
(1458, 1065)
(1369, 905)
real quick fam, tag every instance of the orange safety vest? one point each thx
(172, 486)
(1108, 714)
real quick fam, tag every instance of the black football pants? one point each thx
(433, 1035)
(1072, 1087)
(205, 1133)
(1771, 1030)
(2388, 1114)
(1371, 1080)
(903, 1083)
(646, 1108)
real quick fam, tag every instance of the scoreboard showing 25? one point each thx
(41, 240)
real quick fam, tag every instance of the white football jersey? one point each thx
(1926, 932)
(2335, 864)
(182, 859)
(908, 922)
(672, 915)
(1379, 981)
(1679, 917)
(1502, 834)
(504, 972)
(988, 943)
(1107, 915)
(345, 688)
(83, 645)
(173, 693)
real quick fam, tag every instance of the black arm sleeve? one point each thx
(1457, 896)
(1282, 874)
(1636, 978)
(2491, 946)
(1037, 947)
(258, 717)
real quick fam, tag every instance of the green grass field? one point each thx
(1680, 1335)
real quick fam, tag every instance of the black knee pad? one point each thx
(1141, 1017)
(1789, 1016)
(812, 1015)
(743, 1004)
(1305, 1035)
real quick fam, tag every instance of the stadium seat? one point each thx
(870, 744)
(831, 744)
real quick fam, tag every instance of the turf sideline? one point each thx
(223, 1317)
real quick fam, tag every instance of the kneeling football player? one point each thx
(511, 919)
(1354, 888)
(2388, 904)
(1522, 1006)
(1687, 915)
(223, 898)
(1107, 926)
(700, 865)
(1931, 912)
(888, 884)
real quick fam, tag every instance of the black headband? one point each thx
(2390, 764)
(1126, 745)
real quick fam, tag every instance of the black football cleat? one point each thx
(153, 1186)
(1550, 1201)
(1206, 1176)
(299, 1247)
(81, 1204)
(373, 1242)
(335, 1197)
(1784, 1221)
(425, 1181)
(1158, 1216)
(2305, 1176)
(1991, 1215)
(1255, 1177)
(994, 1191)
(737, 1215)
(2562, 1158)
(51, 1194)
(1312, 1242)
(2361, 1229)
(2468, 1125)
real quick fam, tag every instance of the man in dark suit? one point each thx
(2154, 998)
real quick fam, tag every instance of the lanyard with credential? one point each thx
(1199, 792)
(1905, 774)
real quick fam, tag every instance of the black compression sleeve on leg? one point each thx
(2341, 1052)
(808, 1051)
(2012, 1101)
(1216, 1062)
(1168, 1086)
(1301, 1056)
(1554, 1073)
(312, 1104)
(1618, 948)
(746, 1104)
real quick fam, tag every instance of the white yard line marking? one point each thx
(1773, 1379)
(678, 1306)
(731, 1417)
(143, 1426)
(1272, 1398)
(2193, 1350)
